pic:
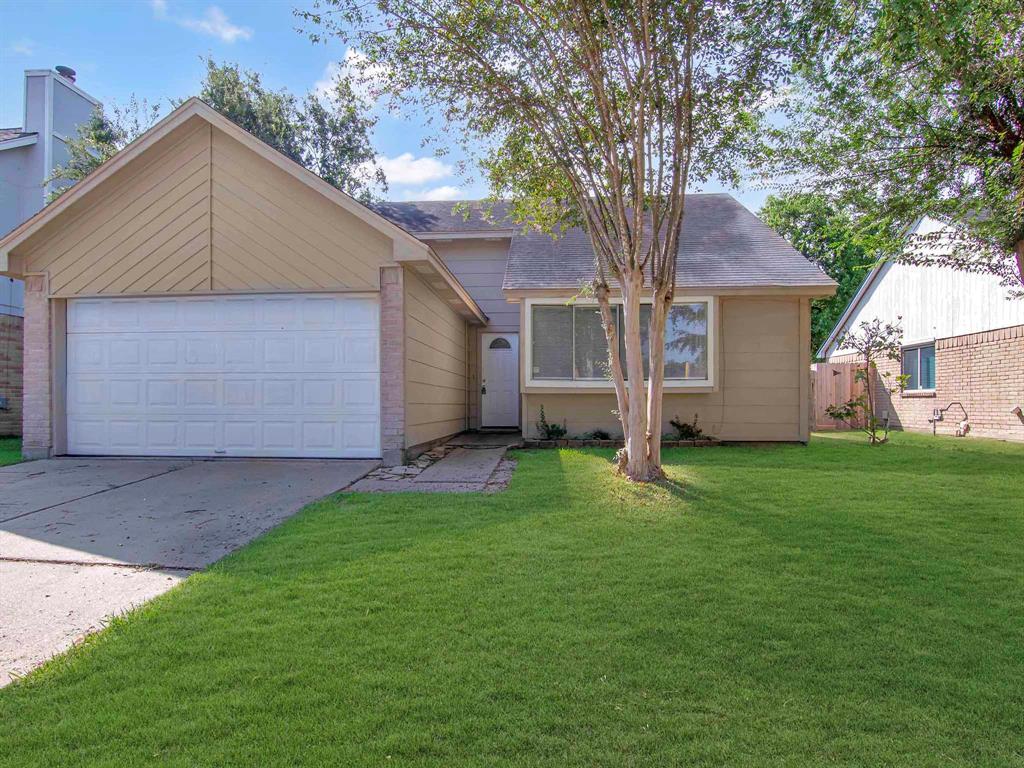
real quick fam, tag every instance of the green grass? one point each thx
(10, 450)
(775, 606)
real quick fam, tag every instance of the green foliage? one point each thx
(548, 431)
(99, 139)
(687, 430)
(563, 116)
(908, 108)
(830, 236)
(10, 450)
(873, 341)
(597, 434)
(328, 135)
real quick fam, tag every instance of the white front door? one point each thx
(284, 375)
(499, 387)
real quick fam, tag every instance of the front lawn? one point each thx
(773, 606)
(10, 450)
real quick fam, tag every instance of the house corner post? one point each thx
(806, 393)
(392, 365)
(37, 409)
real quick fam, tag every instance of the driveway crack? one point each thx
(94, 493)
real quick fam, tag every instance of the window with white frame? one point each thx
(568, 342)
(919, 366)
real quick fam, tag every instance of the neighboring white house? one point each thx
(963, 341)
(54, 108)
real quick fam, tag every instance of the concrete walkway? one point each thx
(472, 462)
(85, 539)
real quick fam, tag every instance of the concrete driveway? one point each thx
(85, 539)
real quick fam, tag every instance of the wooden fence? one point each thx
(832, 384)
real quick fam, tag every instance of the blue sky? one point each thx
(153, 49)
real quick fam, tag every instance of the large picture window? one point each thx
(919, 366)
(568, 342)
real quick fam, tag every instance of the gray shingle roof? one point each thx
(722, 245)
(440, 216)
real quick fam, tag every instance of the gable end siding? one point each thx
(199, 212)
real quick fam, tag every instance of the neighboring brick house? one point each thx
(29, 153)
(963, 343)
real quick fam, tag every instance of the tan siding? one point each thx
(435, 365)
(758, 395)
(198, 211)
(479, 265)
(273, 232)
(145, 228)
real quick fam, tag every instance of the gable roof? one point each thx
(858, 298)
(723, 245)
(406, 247)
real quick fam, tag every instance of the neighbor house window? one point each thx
(919, 366)
(569, 344)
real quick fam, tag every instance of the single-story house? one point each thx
(963, 343)
(202, 294)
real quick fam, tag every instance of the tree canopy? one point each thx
(327, 133)
(907, 108)
(104, 135)
(844, 247)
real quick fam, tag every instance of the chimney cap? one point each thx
(66, 72)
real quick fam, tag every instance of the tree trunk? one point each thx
(656, 382)
(614, 359)
(638, 460)
(1019, 252)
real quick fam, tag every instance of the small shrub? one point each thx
(596, 434)
(549, 431)
(686, 431)
(873, 341)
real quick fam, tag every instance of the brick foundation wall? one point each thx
(984, 371)
(36, 435)
(392, 365)
(11, 357)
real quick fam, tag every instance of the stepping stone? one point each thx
(463, 466)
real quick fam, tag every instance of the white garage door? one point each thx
(274, 375)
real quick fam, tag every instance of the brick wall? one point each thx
(984, 371)
(36, 432)
(11, 352)
(392, 364)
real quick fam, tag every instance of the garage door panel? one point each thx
(255, 376)
(311, 394)
(224, 351)
(258, 312)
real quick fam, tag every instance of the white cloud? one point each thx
(407, 169)
(446, 192)
(22, 47)
(365, 77)
(214, 22)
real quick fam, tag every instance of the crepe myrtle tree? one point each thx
(598, 113)
(909, 108)
(873, 341)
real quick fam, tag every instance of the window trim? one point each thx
(917, 347)
(606, 384)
